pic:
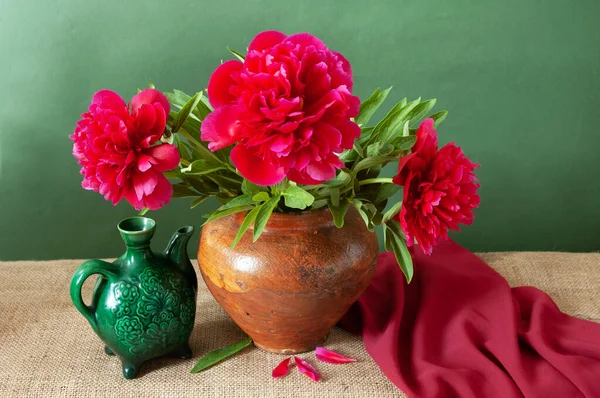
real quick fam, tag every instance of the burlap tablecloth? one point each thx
(48, 349)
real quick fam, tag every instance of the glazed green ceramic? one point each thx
(144, 304)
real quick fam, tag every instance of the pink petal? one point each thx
(150, 96)
(282, 369)
(307, 369)
(131, 196)
(300, 177)
(221, 128)
(325, 355)
(145, 162)
(266, 39)
(160, 196)
(254, 168)
(166, 156)
(220, 83)
(144, 183)
(345, 64)
(327, 137)
(320, 171)
(281, 142)
(354, 106)
(350, 131)
(342, 76)
(305, 40)
(145, 117)
(318, 81)
(108, 99)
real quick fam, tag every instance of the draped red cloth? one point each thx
(459, 330)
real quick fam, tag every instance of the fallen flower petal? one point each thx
(325, 355)
(307, 369)
(281, 369)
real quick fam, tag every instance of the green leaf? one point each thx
(373, 149)
(151, 85)
(376, 149)
(297, 198)
(390, 125)
(317, 204)
(394, 225)
(358, 148)
(227, 212)
(339, 212)
(177, 98)
(363, 214)
(248, 220)
(398, 246)
(370, 105)
(335, 196)
(204, 100)
(250, 188)
(405, 143)
(201, 110)
(261, 197)
(242, 200)
(226, 182)
(183, 147)
(392, 211)
(386, 191)
(199, 148)
(237, 54)
(439, 117)
(185, 111)
(365, 135)
(196, 202)
(182, 190)
(217, 356)
(341, 179)
(200, 167)
(205, 187)
(406, 129)
(369, 162)
(263, 215)
(191, 125)
(420, 111)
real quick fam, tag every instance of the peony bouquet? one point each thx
(279, 130)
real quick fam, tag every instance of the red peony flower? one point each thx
(440, 189)
(114, 144)
(287, 109)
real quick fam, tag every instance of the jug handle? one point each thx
(85, 270)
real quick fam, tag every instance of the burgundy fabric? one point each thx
(459, 330)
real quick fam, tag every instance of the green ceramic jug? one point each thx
(144, 304)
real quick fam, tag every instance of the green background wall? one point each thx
(521, 80)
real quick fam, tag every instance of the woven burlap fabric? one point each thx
(47, 348)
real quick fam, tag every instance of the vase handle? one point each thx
(85, 270)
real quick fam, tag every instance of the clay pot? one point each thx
(289, 288)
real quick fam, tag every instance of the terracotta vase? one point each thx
(290, 287)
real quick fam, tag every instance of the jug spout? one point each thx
(176, 251)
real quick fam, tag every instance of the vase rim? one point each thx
(136, 224)
(137, 230)
(293, 220)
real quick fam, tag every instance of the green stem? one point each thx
(380, 180)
